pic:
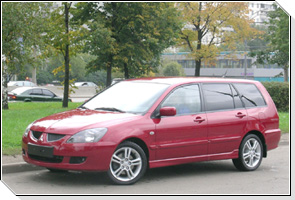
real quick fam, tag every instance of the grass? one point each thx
(284, 122)
(20, 115)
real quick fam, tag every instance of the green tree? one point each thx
(219, 22)
(64, 38)
(129, 36)
(22, 27)
(277, 36)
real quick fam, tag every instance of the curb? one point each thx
(19, 167)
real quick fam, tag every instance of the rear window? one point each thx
(250, 94)
(218, 96)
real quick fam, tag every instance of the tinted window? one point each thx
(47, 93)
(36, 92)
(250, 95)
(218, 97)
(237, 99)
(185, 99)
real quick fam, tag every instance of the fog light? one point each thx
(77, 160)
(24, 152)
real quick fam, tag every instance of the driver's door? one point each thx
(184, 134)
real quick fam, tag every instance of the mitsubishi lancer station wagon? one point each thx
(156, 122)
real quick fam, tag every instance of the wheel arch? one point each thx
(140, 143)
(27, 100)
(262, 139)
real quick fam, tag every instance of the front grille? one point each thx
(36, 134)
(54, 159)
(54, 137)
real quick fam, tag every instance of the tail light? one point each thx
(13, 97)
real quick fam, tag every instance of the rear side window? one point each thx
(250, 95)
(237, 99)
(218, 96)
(36, 92)
(47, 93)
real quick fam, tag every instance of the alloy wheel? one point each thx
(252, 153)
(126, 164)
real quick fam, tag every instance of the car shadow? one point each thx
(74, 178)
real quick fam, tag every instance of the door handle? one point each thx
(199, 119)
(240, 115)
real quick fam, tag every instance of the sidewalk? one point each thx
(12, 164)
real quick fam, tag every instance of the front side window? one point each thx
(185, 99)
(218, 96)
(250, 94)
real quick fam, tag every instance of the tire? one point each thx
(128, 164)
(56, 170)
(250, 154)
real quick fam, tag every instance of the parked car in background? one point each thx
(21, 83)
(28, 94)
(79, 84)
(155, 122)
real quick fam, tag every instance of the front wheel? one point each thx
(250, 154)
(128, 164)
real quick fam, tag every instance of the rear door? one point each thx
(227, 118)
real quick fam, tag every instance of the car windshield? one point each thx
(132, 97)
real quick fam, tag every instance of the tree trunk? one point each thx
(198, 67)
(34, 71)
(126, 71)
(199, 44)
(109, 76)
(34, 75)
(67, 60)
(4, 84)
(286, 73)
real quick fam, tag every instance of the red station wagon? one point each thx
(155, 122)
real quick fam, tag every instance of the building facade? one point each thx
(230, 65)
(258, 11)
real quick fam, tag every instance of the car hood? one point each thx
(73, 121)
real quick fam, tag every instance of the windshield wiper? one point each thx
(83, 107)
(110, 109)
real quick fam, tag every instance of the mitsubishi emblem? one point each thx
(41, 138)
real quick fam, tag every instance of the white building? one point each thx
(258, 11)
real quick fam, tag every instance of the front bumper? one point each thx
(67, 156)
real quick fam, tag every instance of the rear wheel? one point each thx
(128, 164)
(250, 154)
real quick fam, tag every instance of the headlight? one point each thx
(89, 135)
(28, 129)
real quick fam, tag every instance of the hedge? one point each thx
(279, 92)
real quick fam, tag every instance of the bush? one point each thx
(279, 92)
(173, 69)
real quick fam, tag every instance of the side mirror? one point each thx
(168, 111)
